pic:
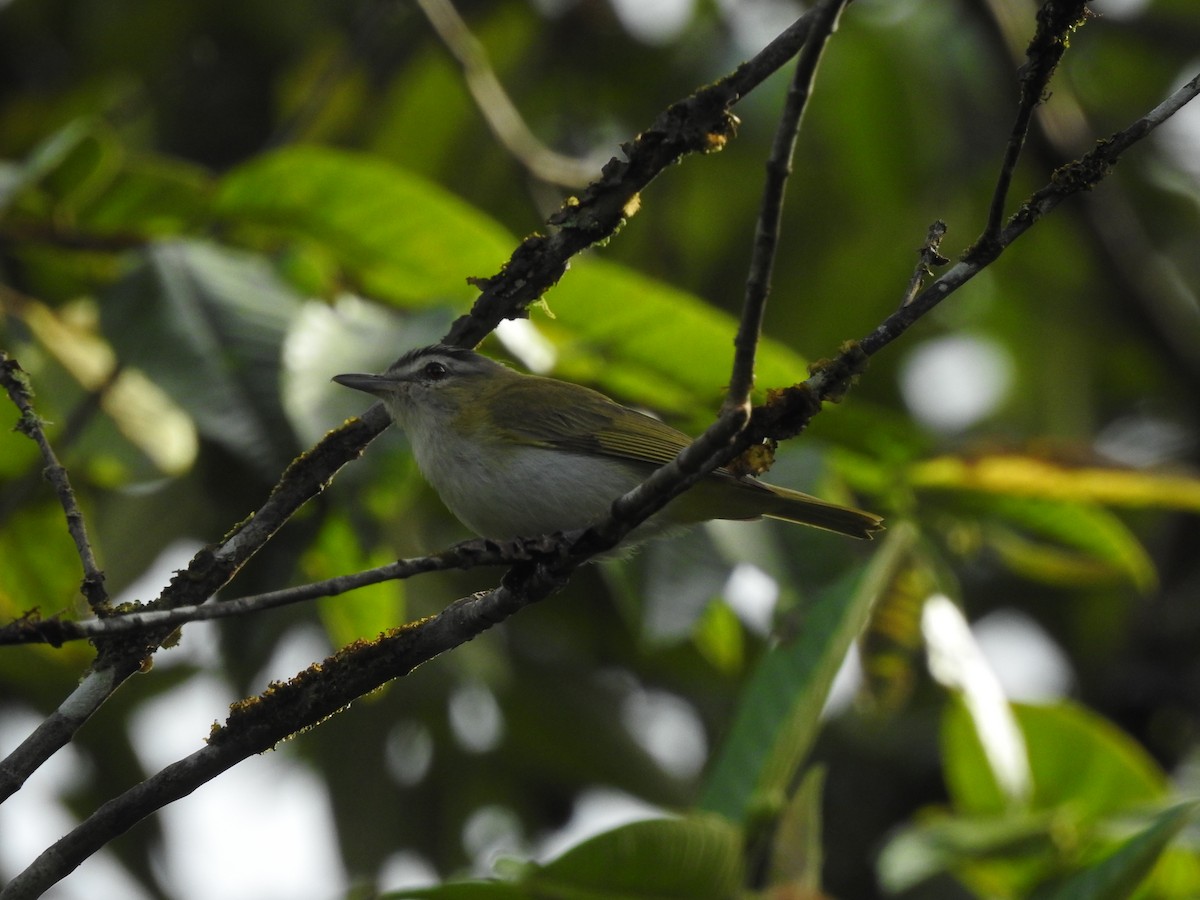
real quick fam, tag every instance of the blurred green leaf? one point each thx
(1073, 544)
(696, 857)
(1080, 762)
(150, 196)
(651, 343)
(207, 325)
(364, 613)
(797, 854)
(719, 638)
(689, 858)
(941, 843)
(1030, 476)
(779, 712)
(62, 163)
(398, 237)
(1119, 874)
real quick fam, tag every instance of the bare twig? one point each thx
(929, 257)
(496, 107)
(30, 425)
(464, 555)
(1056, 20)
(770, 216)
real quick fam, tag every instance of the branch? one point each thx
(17, 386)
(465, 555)
(1056, 20)
(770, 216)
(494, 104)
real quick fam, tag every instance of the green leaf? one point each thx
(207, 325)
(400, 237)
(462, 890)
(1118, 875)
(956, 661)
(650, 343)
(66, 161)
(1075, 544)
(779, 713)
(41, 567)
(150, 195)
(363, 613)
(944, 843)
(1030, 476)
(690, 858)
(697, 857)
(796, 852)
(1080, 763)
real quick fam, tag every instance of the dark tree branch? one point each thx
(770, 216)
(465, 555)
(1055, 22)
(17, 387)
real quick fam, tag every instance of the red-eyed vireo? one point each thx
(515, 455)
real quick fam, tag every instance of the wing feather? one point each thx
(578, 419)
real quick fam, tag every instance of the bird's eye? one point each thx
(435, 371)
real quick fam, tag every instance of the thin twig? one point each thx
(1056, 20)
(497, 108)
(929, 256)
(17, 386)
(465, 555)
(770, 216)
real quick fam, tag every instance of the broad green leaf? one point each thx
(1117, 562)
(779, 713)
(1119, 874)
(957, 661)
(651, 343)
(150, 195)
(697, 857)
(207, 325)
(691, 858)
(943, 843)
(1088, 543)
(796, 850)
(400, 237)
(462, 890)
(1029, 476)
(1080, 763)
(360, 614)
(41, 568)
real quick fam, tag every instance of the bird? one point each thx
(514, 455)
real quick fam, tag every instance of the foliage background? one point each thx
(161, 185)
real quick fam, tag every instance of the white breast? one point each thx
(519, 491)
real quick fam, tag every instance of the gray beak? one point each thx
(370, 384)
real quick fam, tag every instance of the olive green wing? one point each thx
(549, 413)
